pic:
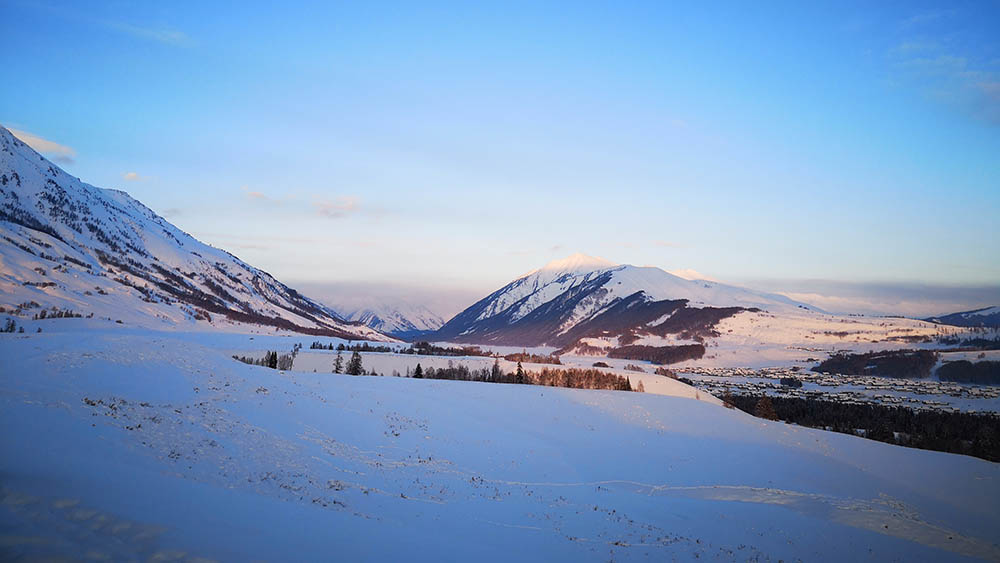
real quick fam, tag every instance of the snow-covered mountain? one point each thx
(581, 296)
(69, 247)
(399, 320)
(986, 317)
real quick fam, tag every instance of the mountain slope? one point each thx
(398, 320)
(986, 317)
(580, 297)
(69, 246)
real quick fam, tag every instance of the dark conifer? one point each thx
(354, 366)
(765, 409)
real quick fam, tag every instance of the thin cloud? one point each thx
(133, 177)
(52, 149)
(337, 208)
(950, 72)
(166, 36)
(259, 196)
(163, 35)
(690, 274)
(924, 18)
(915, 300)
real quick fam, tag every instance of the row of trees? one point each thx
(658, 354)
(533, 358)
(973, 434)
(893, 363)
(272, 359)
(363, 347)
(572, 378)
(417, 348)
(58, 314)
(983, 372)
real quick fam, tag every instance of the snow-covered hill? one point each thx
(132, 445)
(66, 246)
(590, 307)
(986, 317)
(582, 296)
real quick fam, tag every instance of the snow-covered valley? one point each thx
(125, 443)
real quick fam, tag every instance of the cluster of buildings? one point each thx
(917, 394)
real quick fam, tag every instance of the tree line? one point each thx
(572, 378)
(272, 359)
(972, 434)
(658, 354)
(893, 363)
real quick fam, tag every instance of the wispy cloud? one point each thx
(927, 17)
(337, 208)
(133, 177)
(690, 274)
(918, 300)
(259, 196)
(160, 35)
(330, 208)
(949, 71)
(52, 149)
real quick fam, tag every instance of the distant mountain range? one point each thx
(67, 247)
(403, 321)
(986, 317)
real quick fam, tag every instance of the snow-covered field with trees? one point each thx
(125, 444)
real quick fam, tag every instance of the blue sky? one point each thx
(422, 144)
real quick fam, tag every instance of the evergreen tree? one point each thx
(338, 363)
(519, 375)
(418, 373)
(354, 366)
(765, 409)
(272, 360)
(495, 373)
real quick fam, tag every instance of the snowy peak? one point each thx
(577, 263)
(402, 321)
(69, 246)
(581, 296)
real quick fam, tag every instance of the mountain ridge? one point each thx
(70, 246)
(582, 296)
(983, 317)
